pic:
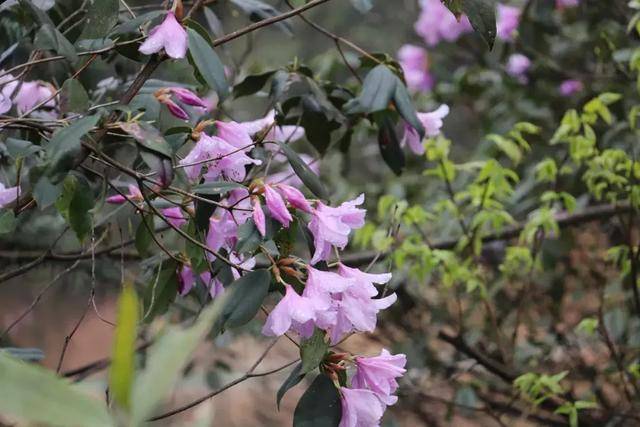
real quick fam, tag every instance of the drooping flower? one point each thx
(331, 226)
(276, 133)
(507, 21)
(175, 216)
(291, 310)
(277, 207)
(258, 216)
(364, 280)
(379, 374)
(31, 94)
(517, 67)
(437, 23)
(360, 408)
(134, 195)
(294, 197)
(432, 123)
(8, 195)
(570, 87)
(414, 61)
(169, 35)
(218, 157)
(564, 4)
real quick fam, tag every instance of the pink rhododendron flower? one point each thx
(432, 123)
(258, 216)
(175, 216)
(7, 86)
(517, 67)
(8, 195)
(219, 158)
(570, 87)
(291, 310)
(379, 374)
(222, 232)
(563, 4)
(360, 408)
(437, 23)
(33, 93)
(414, 61)
(277, 133)
(187, 280)
(235, 134)
(507, 21)
(134, 195)
(169, 35)
(277, 207)
(331, 226)
(294, 197)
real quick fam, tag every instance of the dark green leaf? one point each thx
(48, 38)
(389, 145)
(94, 44)
(219, 187)
(204, 210)
(65, 145)
(482, 15)
(313, 350)
(45, 192)
(405, 107)
(292, 380)
(252, 84)
(214, 22)
(73, 97)
(249, 237)
(161, 290)
(19, 148)
(304, 172)
(378, 89)
(143, 236)
(122, 371)
(7, 221)
(132, 24)
(74, 204)
(319, 406)
(245, 298)
(208, 63)
(101, 16)
(258, 10)
(160, 165)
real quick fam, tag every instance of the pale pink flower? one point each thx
(277, 133)
(331, 226)
(258, 216)
(507, 21)
(235, 134)
(379, 374)
(414, 61)
(33, 93)
(437, 23)
(294, 197)
(175, 216)
(134, 195)
(570, 87)
(219, 158)
(277, 207)
(222, 232)
(432, 123)
(8, 195)
(360, 408)
(169, 35)
(187, 280)
(291, 310)
(517, 67)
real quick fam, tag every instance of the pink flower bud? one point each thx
(276, 206)
(258, 216)
(295, 197)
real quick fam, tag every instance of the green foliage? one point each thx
(121, 374)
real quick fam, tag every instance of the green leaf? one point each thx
(390, 145)
(122, 372)
(49, 38)
(65, 145)
(313, 350)
(143, 236)
(249, 238)
(101, 16)
(257, 11)
(304, 172)
(246, 297)
(19, 148)
(74, 204)
(377, 90)
(482, 15)
(147, 136)
(132, 25)
(36, 395)
(7, 221)
(208, 63)
(319, 406)
(161, 289)
(167, 358)
(45, 193)
(73, 97)
(292, 380)
(405, 108)
(252, 84)
(219, 187)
